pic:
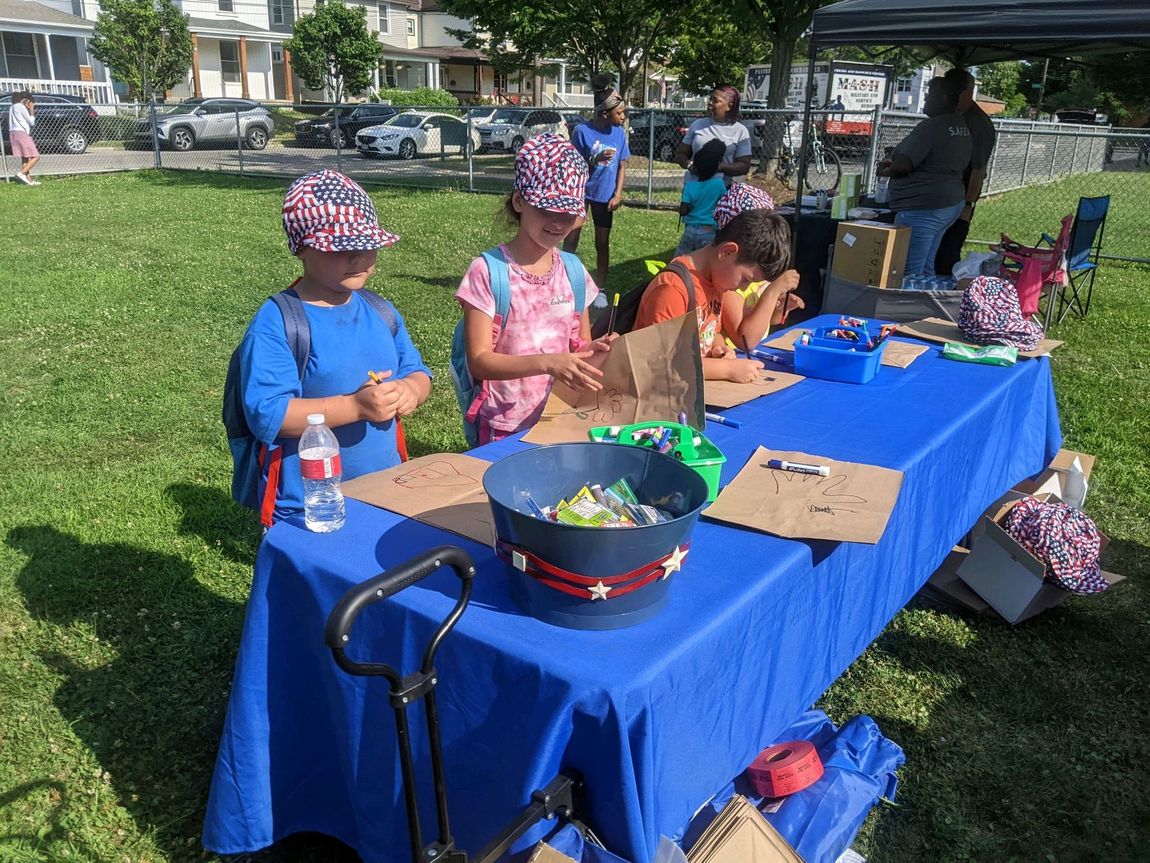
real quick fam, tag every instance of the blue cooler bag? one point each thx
(591, 577)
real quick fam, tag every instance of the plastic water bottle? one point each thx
(323, 509)
(882, 191)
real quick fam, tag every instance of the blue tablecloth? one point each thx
(657, 717)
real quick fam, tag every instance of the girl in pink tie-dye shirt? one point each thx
(545, 338)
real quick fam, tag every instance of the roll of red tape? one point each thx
(785, 768)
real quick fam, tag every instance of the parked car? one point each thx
(416, 133)
(65, 123)
(322, 131)
(481, 114)
(511, 127)
(207, 121)
(669, 131)
(572, 119)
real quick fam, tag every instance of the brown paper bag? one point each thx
(853, 504)
(897, 355)
(444, 490)
(649, 374)
(941, 331)
(724, 394)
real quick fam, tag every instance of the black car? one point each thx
(669, 131)
(322, 131)
(64, 123)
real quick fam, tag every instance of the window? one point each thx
(902, 85)
(410, 26)
(19, 50)
(385, 18)
(226, 5)
(280, 13)
(277, 53)
(230, 61)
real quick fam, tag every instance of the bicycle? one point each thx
(824, 168)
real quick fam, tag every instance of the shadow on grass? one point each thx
(1043, 722)
(151, 714)
(216, 519)
(51, 828)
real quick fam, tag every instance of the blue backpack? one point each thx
(248, 454)
(471, 393)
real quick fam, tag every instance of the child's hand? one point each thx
(744, 371)
(602, 344)
(615, 203)
(787, 304)
(380, 402)
(574, 370)
(787, 282)
(720, 350)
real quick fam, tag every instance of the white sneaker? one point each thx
(33, 182)
(23, 178)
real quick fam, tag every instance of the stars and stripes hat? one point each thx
(331, 213)
(991, 314)
(1063, 538)
(551, 175)
(738, 199)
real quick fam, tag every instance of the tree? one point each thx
(1002, 81)
(592, 34)
(1124, 76)
(784, 22)
(145, 44)
(715, 49)
(332, 49)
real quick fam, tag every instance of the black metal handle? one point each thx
(337, 633)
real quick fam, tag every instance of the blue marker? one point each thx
(770, 358)
(534, 507)
(723, 421)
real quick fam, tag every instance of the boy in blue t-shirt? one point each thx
(603, 143)
(332, 228)
(701, 191)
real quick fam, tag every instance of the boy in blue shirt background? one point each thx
(701, 191)
(602, 141)
(331, 227)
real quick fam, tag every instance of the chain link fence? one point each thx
(472, 149)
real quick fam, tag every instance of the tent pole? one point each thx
(803, 148)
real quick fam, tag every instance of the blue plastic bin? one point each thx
(549, 473)
(833, 359)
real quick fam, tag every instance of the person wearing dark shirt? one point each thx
(926, 189)
(981, 146)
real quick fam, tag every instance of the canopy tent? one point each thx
(982, 31)
(973, 32)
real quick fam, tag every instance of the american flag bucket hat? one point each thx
(331, 213)
(551, 175)
(738, 199)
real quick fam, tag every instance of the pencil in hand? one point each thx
(614, 310)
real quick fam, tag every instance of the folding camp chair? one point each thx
(1037, 271)
(1082, 256)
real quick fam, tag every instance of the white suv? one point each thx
(509, 128)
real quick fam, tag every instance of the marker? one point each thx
(534, 507)
(723, 421)
(375, 377)
(770, 358)
(682, 418)
(795, 467)
(664, 441)
(614, 309)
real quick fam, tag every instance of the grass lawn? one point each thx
(124, 566)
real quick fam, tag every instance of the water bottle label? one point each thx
(320, 468)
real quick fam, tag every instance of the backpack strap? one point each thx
(577, 276)
(684, 274)
(295, 326)
(499, 274)
(386, 309)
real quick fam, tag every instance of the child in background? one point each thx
(702, 190)
(544, 337)
(753, 247)
(745, 320)
(331, 227)
(603, 143)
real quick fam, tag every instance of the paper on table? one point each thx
(942, 331)
(896, 355)
(444, 490)
(649, 374)
(740, 834)
(853, 504)
(725, 394)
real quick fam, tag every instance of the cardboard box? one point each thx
(1053, 479)
(946, 591)
(846, 196)
(1006, 575)
(544, 853)
(871, 253)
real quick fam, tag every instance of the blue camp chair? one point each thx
(1082, 256)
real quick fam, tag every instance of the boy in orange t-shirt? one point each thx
(753, 247)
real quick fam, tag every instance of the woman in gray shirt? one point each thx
(926, 189)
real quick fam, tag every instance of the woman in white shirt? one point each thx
(723, 125)
(21, 119)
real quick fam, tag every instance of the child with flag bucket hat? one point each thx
(525, 322)
(361, 369)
